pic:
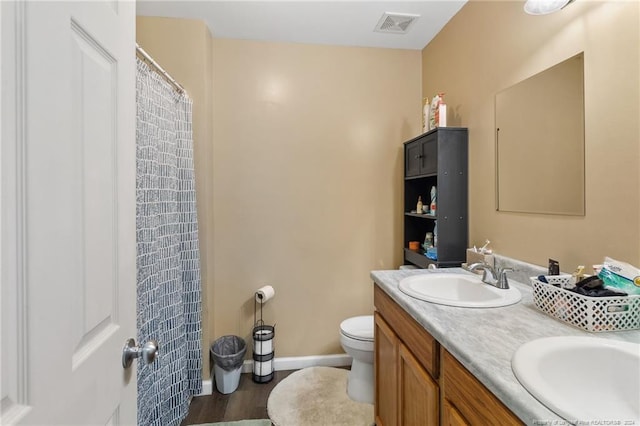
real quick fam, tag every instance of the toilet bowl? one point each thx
(356, 338)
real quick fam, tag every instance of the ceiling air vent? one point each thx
(395, 23)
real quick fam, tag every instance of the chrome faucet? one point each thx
(490, 276)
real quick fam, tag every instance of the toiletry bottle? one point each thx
(432, 207)
(419, 206)
(441, 112)
(435, 233)
(428, 241)
(425, 115)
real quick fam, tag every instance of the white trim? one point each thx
(15, 390)
(290, 363)
(207, 387)
(296, 363)
(247, 366)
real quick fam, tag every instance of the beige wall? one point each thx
(299, 179)
(489, 46)
(307, 183)
(183, 48)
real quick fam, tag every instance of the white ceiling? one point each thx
(346, 23)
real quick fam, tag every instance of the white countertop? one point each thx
(484, 339)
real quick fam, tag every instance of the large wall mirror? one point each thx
(540, 142)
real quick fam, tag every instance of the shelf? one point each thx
(437, 158)
(421, 176)
(423, 216)
(417, 258)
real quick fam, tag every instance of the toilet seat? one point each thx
(358, 328)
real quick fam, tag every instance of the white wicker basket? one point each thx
(562, 280)
(588, 313)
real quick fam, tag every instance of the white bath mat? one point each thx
(317, 396)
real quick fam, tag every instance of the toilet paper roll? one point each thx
(262, 368)
(265, 293)
(263, 347)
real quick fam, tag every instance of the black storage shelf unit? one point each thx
(437, 158)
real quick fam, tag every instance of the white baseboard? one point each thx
(207, 387)
(298, 362)
(247, 366)
(290, 363)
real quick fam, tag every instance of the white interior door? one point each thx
(68, 211)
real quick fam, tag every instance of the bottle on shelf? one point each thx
(432, 206)
(419, 206)
(435, 233)
(425, 115)
(428, 241)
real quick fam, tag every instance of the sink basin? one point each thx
(464, 290)
(582, 379)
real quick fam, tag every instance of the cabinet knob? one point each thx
(419, 156)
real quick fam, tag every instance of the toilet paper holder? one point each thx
(263, 351)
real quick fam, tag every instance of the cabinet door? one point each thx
(418, 393)
(412, 159)
(386, 375)
(451, 416)
(429, 155)
(471, 398)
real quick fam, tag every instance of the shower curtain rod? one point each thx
(147, 58)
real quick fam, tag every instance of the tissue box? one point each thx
(474, 257)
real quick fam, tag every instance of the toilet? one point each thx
(356, 338)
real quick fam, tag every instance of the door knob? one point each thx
(148, 352)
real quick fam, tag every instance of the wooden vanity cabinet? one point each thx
(418, 392)
(406, 391)
(451, 416)
(386, 373)
(466, 400)
(419, 383)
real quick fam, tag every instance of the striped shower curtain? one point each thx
(168, 261)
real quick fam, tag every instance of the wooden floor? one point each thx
(249, 401)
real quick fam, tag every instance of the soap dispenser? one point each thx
(419, 206)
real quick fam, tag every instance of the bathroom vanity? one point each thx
(437, 364)
(417, 390)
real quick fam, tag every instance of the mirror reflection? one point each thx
(540, 142)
